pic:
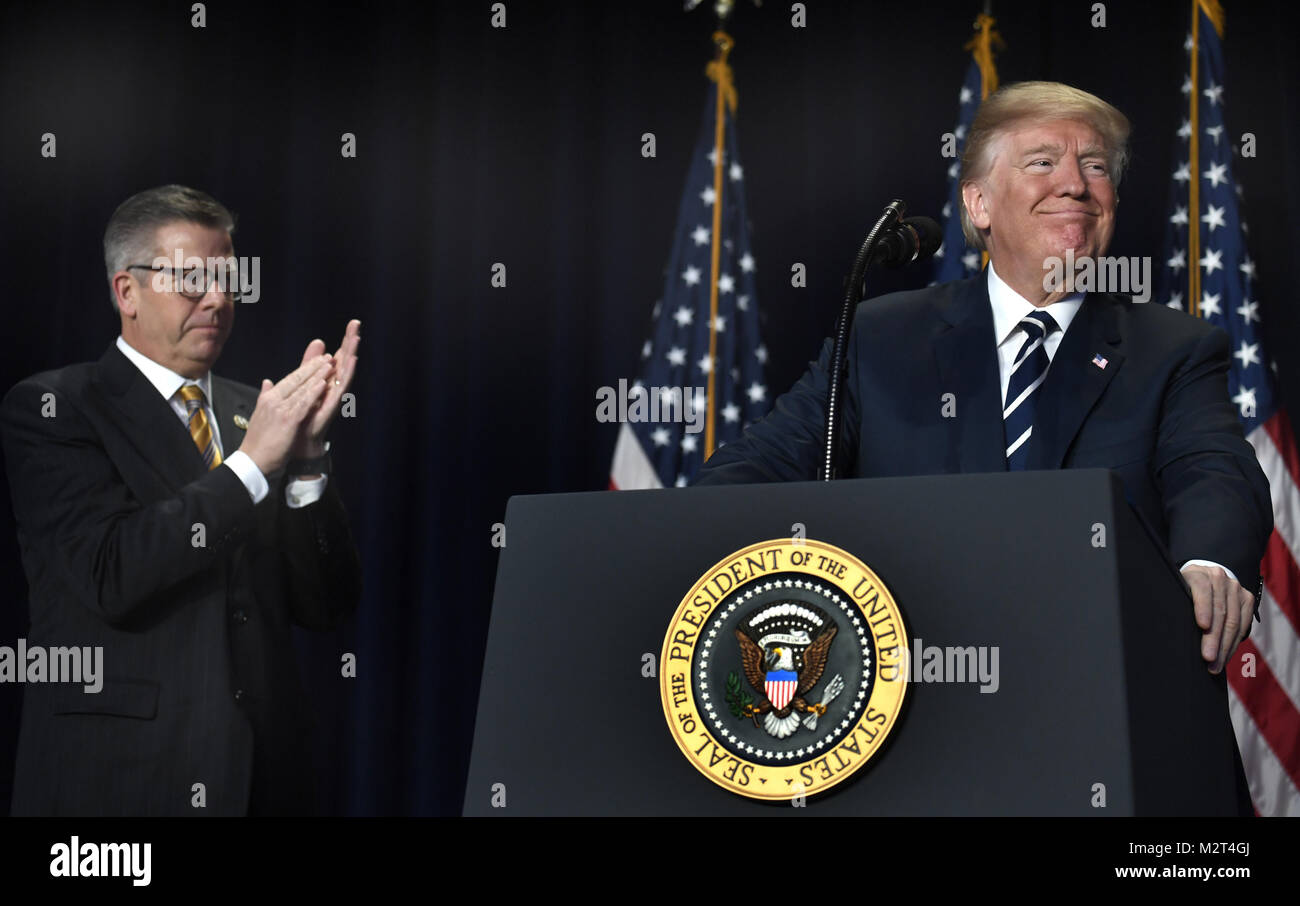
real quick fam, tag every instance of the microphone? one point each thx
(913, 239)
(894, 241)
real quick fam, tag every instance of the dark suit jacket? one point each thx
(111, 499)
(1158, 413)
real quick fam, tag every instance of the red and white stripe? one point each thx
(1265, 707)
(779, 692)
(631, 468)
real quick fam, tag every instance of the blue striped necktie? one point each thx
(1027, 376)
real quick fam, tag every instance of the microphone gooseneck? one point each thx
(894, 242)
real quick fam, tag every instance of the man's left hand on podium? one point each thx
(1223, 609)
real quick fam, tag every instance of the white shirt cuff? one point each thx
(300, 492)
(1231, 574)
(248, 472)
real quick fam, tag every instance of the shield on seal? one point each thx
(780, 686)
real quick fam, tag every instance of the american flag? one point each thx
(676, 355)
(1208, 272)
(955, 260)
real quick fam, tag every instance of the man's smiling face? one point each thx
(1049, 189)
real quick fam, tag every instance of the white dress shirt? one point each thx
(1009, 309)
(298, 492)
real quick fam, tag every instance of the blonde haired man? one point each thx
(1045, 378)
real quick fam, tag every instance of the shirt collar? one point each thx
(164, 380)
(1009, 308)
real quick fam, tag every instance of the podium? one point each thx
(1102, 704)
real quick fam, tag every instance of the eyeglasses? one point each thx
(193, 283)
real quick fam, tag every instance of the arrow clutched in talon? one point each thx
(833, 689)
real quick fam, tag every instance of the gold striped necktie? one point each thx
(200, 430)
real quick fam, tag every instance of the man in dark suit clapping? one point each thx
(183, 523)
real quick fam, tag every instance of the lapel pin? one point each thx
(241, 422)
(1096, 360)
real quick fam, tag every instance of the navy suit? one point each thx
(112, 499)
(922, 396)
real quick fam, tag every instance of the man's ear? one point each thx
(972, 195)
(127, 298)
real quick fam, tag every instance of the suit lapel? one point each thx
(1075, 380)
(966, 355)
(232, 411)
(155, 431)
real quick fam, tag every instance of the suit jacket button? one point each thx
(240, 617)
(239, 695)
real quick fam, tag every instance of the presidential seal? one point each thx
(783, 670)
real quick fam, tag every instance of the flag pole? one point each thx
(1214, 11)
(981, 47)
(1194, 170)
(720, 72)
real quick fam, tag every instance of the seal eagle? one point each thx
(781, 722)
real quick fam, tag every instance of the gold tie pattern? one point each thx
(200, 430)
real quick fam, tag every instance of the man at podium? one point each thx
(1007, 371)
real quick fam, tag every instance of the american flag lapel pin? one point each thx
(1099, 361)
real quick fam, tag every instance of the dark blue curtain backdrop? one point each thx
(522, 146)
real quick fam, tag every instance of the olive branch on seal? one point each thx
(737, 699)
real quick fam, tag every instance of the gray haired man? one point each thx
(182, 522)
